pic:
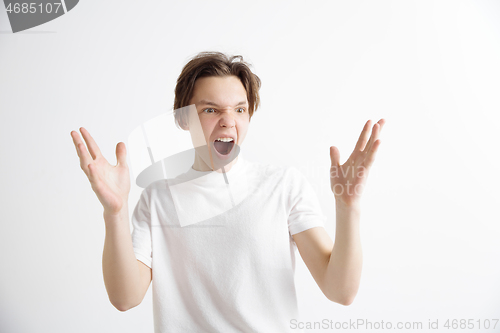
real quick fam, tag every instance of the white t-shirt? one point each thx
(222, 254)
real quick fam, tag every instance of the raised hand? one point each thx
(347, 180)
(110, 183)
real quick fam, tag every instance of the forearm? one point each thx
(343, 273)
(119, 264)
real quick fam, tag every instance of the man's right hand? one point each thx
(110, 183)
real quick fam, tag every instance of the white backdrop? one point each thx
(430, 223)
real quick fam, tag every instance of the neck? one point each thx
(200, 165)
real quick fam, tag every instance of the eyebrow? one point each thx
(205, 102)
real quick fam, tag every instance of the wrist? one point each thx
(354, 205)
(347, 217)
(116, 216)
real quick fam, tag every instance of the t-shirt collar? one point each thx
(214, 176)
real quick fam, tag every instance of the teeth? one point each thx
(225, 139)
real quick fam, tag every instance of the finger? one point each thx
(93, 148)
(381, 122)
(85, 158)
(121, 154)
(334, 156)
(92, 173)
(75, 141)
(363, 137)
(375, 136)
(94, 177)
(375, 133)
(370, 157)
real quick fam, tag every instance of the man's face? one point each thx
(222, 108)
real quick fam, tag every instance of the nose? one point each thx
(227, 120)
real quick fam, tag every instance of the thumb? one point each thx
(334, 156)
(121, 154)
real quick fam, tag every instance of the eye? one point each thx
(242, 110)
(208, 109)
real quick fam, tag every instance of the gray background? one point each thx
(430, 228)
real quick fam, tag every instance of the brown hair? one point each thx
(214, 64)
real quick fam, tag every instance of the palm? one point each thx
(110, 183)
(347, 180)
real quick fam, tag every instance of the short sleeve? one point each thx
(302, 203)
(141, 234)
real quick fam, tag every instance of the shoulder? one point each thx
(294, 174)
(158, 184)
(157, 187)
(295, 181)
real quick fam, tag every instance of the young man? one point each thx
(230, 268)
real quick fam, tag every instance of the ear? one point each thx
(183, 123)
(184, 126)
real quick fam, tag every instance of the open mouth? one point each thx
(223, 147)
